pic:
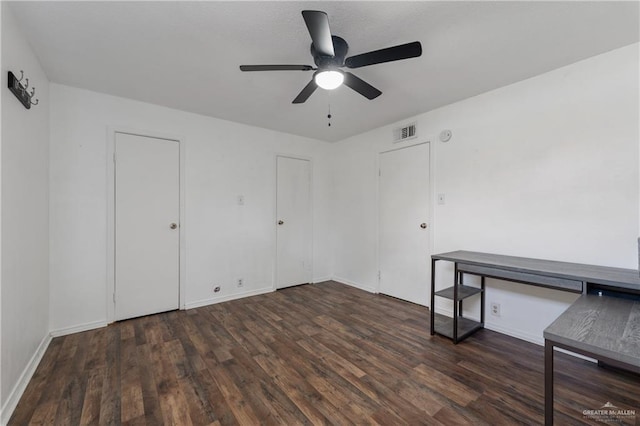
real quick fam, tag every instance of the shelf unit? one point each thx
(456, 328)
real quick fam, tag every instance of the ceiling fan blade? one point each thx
(361, 86)
(318, 26)
(395, 53)
(276, 68)
(306, 92)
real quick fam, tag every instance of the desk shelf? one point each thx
(464, 291)
(457, 327)
(444, 326)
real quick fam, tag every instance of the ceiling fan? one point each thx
(329, 53)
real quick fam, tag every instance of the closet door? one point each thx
(147, 231)
(404, 194)
(294, 223)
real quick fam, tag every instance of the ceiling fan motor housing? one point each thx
(340, 48)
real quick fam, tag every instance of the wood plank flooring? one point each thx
(313, 354)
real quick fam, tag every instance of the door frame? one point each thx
(432, 201)
(275, 214)
(111, 204)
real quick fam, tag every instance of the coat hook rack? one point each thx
(20, 90)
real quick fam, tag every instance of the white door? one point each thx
(404, 255)
(294, 224)
(147, 232)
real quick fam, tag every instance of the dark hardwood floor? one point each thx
(312, 354)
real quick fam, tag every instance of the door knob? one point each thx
(280, 222)
(423, 225)
(173, 226)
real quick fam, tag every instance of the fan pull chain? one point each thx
(329, 115)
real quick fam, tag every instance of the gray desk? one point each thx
(601, 327)
(574, 277)
(564, 276)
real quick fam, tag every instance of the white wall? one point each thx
(224, 241)
(25, 232)
(1, 102)
(546, 168)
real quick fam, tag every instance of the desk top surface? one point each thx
(605, 275)
(605, 326)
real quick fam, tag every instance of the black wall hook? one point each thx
(20, 90)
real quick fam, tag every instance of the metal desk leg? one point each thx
(460, 281)
(433, 296)
(455, 304)
(482, 301)
(548, 383)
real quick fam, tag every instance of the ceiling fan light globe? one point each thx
(329, 80)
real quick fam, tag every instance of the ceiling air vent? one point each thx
(403, 133)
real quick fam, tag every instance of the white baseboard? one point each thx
(500, 329)
(538, 340)
(530, 338)
(322, 279)
(518, 334)
(213, 300)
(78, 328)
(19, 388)
(355, 284)
(441, 311)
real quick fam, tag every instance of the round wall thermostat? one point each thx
(445, 135)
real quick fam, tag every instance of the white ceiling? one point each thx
(186, 55)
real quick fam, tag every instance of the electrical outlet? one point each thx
(240, 282)
(216, 289)
(495, 309)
